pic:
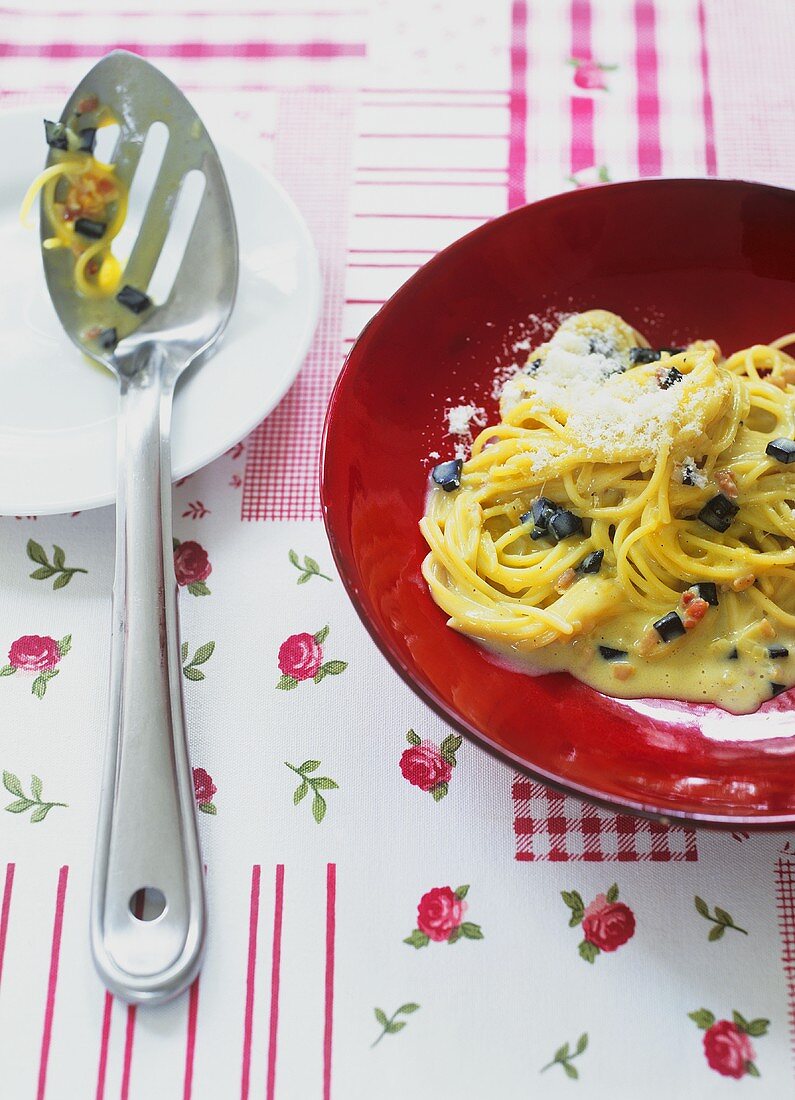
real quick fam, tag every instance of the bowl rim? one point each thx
(668, 816)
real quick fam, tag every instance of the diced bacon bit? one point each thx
(622, 670)
(565, 580)
(724, 479)
(649, 641)
(695, 611)
(739, 584)
(764, 629)
(93, 332)
(89, 195)
(88, 103)
(92, 267)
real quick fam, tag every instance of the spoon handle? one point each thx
(146, 837)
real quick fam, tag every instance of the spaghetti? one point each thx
(631, 518)
(83, 200)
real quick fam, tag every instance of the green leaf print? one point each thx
(23, 802)
(58, 569)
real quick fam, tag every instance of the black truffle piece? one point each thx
(708, 591)
(563, 524)
(670, 378)
(781, 449)
(448, 474)
(641, 356)
(611, 654)
(719, 512)
(56, 135)
(592, 562)
(87, 227)
(87, 137)
(135, 300)
(670, 626)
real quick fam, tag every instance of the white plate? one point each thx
(58, 413)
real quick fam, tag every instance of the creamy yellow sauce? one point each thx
(691, 668)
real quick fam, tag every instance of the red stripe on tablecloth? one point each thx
(129, 1031)
(423, 168)
(429, 183)
(52, 981)
(276, 965)
(104, 1042)
(517, 106)
(392, 251)
(4, 912)
(183, 14)
(648, 95)
(251, 970)
(129, 1038)
(582, 151)
(435, 91)
(431, 217)
(412, 267)
(459, 104)
(710, 156)
(440, 137)
(191, 50)
(190, 1044)
(331, 910)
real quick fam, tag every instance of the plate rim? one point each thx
(707, 821)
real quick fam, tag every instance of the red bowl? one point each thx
(678, 259)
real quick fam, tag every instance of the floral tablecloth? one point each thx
(393, 911)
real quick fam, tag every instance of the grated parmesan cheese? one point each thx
(461, 417)
(607, 409)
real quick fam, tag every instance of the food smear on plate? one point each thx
(630, 519)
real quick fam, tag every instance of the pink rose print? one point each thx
(589, 75)
(427, 766)
(439, 912)
(32, 653)
(727, 1049)
(607, 923)
(440, 917)
(204, 789)
(727, 1043)
(37, 653)
(301, 658)
(192, 567)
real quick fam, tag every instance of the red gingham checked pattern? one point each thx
(785, 906)
(313, 159)
(559, 828)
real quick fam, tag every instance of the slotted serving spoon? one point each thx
(147, 839)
